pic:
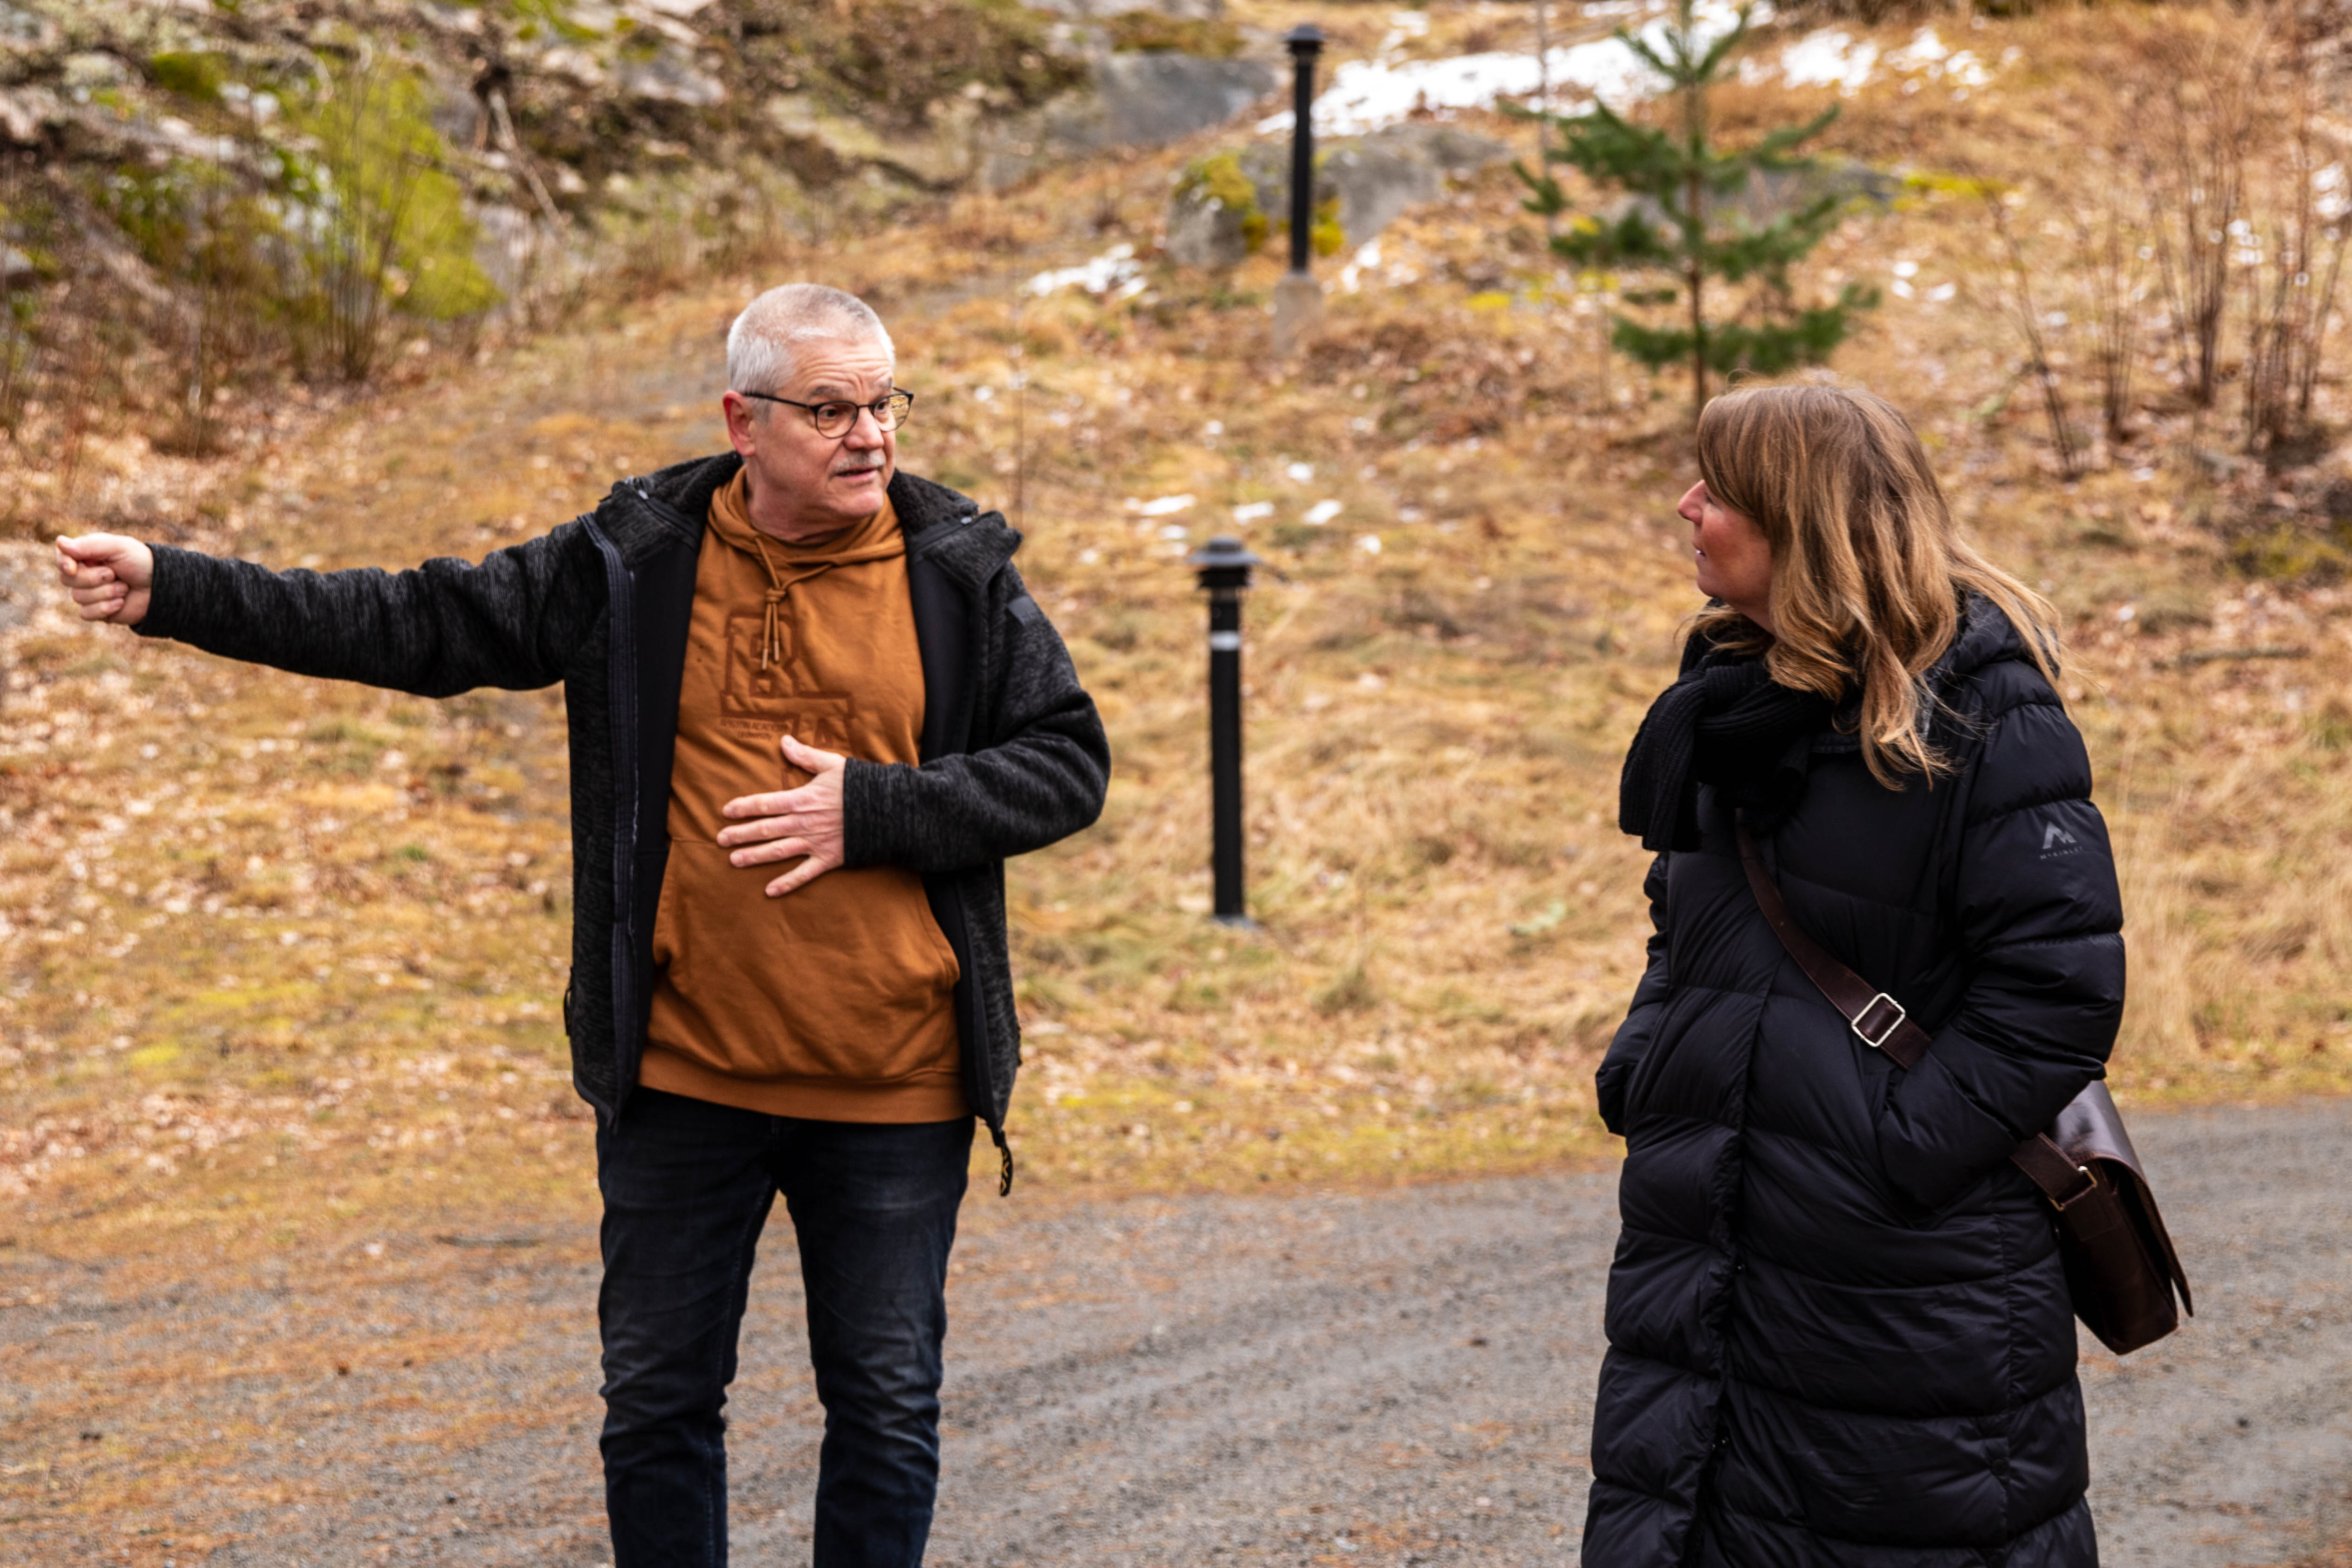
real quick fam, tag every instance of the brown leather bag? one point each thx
(2120, 1265)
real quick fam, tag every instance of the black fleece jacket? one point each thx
(1013, 754)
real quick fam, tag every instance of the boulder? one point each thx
(94, 68)
(1153, 97)
(940, 158)
(23, 29)
(1372, 179)
(671, 76)
(1214, 219)
(1375, 184)
(1140, 99)
(1769, 196)
(25, 113)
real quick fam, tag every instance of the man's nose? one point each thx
(865, 431)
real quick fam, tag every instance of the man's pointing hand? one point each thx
(794, 822)
(109, 574)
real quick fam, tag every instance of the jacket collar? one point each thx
(947, 529)
(670, 507)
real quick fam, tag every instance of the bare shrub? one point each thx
(2219, 193)
(2029, 314)
(2294, 259)
(2199, 89)
(2107, 237)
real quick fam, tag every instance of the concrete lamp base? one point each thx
(1297, 309)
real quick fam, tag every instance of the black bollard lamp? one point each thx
(1306, 42)
(1223, 566)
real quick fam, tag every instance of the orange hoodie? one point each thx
(836, 1001)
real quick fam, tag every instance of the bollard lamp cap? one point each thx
(1307, 38)
(1223, 562)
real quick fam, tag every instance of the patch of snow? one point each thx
(1165, 506)
(1927, 53)
(1321, 513)
(1114, 270)
(1366, 95)
(1369, 544)
(1830, 58)
(2330, 196)
(1252, 511)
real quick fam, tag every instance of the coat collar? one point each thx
(669, 507)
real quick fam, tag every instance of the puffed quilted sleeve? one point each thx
(2041, 919)
(1633, 1036)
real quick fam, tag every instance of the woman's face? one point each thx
(1733, 561)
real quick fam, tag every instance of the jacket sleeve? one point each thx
(1633, 1037)
(446, 627)
(1039, 776)
(2041, 918)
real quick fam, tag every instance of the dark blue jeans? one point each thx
(688, 1185)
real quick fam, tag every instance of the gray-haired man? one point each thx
(812, 712)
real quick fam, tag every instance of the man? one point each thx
(811, 712)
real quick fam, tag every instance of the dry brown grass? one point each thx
(279, 959)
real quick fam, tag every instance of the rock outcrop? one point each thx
(1228, 204)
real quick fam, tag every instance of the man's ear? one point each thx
(742, 422)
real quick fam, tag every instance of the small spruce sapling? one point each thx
(1678, 222)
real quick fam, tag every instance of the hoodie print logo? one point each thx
(2056, 840)
(762, 702)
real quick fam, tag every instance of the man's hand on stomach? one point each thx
(803, 822)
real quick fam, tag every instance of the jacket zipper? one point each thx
(621, 674)
(980, 1073)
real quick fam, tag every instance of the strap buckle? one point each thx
(2090, 1184)
(1856, 1022)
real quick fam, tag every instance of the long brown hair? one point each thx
(1868, 569)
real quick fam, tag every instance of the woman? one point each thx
(1839, 1329)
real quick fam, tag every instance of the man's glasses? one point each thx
(834, 419)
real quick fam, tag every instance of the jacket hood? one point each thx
(942, 524)
(688, 486)
(1987, 636)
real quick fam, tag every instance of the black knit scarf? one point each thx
(1724, 723)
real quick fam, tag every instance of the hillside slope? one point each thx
(262, 934)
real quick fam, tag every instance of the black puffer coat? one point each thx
(1839, 1331)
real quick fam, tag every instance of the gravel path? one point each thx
(1383, 1378)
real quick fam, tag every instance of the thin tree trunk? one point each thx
(1543, 104)
(1695, 241)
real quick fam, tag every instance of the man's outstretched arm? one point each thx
(442, 627)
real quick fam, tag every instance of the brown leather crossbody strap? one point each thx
(1876, 1018)
(2061, 1181)
(1879, 1020)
